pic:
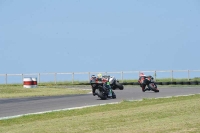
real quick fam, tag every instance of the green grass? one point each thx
(12, 91)
(62, 83)
(166, 115)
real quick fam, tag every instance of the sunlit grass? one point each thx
(177, 114)
(12, 91)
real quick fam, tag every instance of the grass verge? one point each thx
(13, 91)
(165, 115)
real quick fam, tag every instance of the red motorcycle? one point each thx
(150, 83)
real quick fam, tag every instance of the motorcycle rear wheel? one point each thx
(153, 88)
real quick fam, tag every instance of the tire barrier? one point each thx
(34, 82)
(168, 83)
(134, 83)
(193, 82)
(125, 83)
(172, 83)
(128, 83)
(159, 83)
(29, 82)
(179, 83)
(165, 83)
(186, 83)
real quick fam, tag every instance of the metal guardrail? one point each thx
(122, 73)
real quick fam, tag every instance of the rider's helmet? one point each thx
(142, 74)
(151, 77)
(99, 75)
(93, 76)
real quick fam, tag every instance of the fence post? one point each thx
(122, 77)
(188, 75)
(171, 75)
(89, 75)
(38, 77)
(155, 75)
(55, 80)
(6, 78)
(73, 78)
(22, 78)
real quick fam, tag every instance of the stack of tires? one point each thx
(169, 83)
(194, 83)
(179, 83)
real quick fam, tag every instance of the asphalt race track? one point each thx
(20, 106)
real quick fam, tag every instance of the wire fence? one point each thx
(85, 76)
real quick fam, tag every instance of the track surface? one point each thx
(19, 106)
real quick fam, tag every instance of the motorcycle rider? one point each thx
(93, 77)
(99, 78)
(106, 84)
(143, 81)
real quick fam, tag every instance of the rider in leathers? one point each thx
(105, 84)
(99, 77)
(143, 81)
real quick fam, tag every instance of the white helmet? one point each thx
(99, 75)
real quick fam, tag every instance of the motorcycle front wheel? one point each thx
(120, 86)
(101, 95)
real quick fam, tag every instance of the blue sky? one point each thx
(98, 35)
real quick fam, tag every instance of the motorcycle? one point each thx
(151, 85)
(101, 89)
(103, 92)
(114, 83)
